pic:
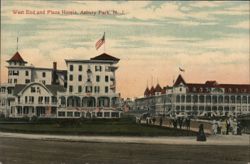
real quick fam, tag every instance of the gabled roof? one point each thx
(158, 88)
(152, 91)
(208, 86)
(18, 88)
(16, 58)
(146, 92)
(52, 88)
(105, 56)
(179, 80)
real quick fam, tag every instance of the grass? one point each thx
(113, 127)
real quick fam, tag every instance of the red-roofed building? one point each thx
(16, 60)
(199, 99)
(146, 92)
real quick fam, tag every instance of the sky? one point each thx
(210, 40)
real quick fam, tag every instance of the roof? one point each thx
(52, 88)
(18, 88)
(55, 88)
(105, 56)
(158, 88)
(16, 58)
(179, 80)
(209, 85)
(146, 92)
(152, 90)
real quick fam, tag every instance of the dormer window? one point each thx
(194, 89)
(230, 90)
(237, 90)
(201, 89)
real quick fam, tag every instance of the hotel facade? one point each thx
(87, 88)
(196, 99)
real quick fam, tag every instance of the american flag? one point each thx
(100, 42)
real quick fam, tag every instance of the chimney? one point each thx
(54, 66)
(54, 76)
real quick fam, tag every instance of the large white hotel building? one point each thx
(87, 88)
(196, 99)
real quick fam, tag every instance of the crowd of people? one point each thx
(180, 122)
(226, 126)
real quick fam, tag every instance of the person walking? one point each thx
(219, 126)
(214, 127)
(227, 126)
(160, 121)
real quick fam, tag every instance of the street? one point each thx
(15, 150)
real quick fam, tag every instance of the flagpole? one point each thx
(104, 42)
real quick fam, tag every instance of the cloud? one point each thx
(151, 40)
(242, 25)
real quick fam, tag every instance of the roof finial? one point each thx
(151, 80)
(17, 44)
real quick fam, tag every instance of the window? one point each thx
(70, 88)
(38, 90)
(99, 114)
(44, 74)
(106, 89)
(106, 114)
(15, 81)
(15, 72)
(33, 89)
(79, 77)
(97, 78)
(61, 114)
(18, 98)
(46, 100)
(180, 89)
(70, 114)
(80, 68)
(106, 78)
(115, 114)
(107, 69)
(97, 89)
(88, 89)
(98, 68)
(27, 81)
(10, 73)
(79, 89)
(31, 99)
(27, 73)
(77, 114)
(70, 77)
(71, 68)
(26, 99)
(40, 100)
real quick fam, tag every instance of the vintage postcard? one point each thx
(125, 81)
